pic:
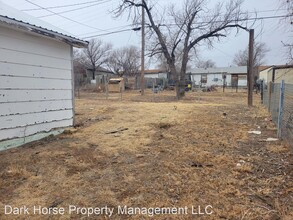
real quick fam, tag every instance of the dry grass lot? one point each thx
(156, 152)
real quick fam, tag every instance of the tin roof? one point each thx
(18, 19)
(227, 70)
(152, 71)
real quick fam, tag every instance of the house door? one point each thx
(234, 81)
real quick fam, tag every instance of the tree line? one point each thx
(123, 61)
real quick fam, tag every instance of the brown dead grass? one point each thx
(168, 153)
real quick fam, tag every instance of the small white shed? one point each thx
(36, 78)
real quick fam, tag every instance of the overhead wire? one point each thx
(77, 22)
(61, 6)
(114, 32)
(76, 9)
(248, 19)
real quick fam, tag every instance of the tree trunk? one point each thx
(180, 87)
(181, 77)
(174, 77)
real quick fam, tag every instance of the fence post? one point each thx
(281, 105)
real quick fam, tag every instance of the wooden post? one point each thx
(224, 82)
(106, 87)
(142, 49)
(237, 83)
(281, 105)
(250, 67)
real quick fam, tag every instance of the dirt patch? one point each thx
(156, 153)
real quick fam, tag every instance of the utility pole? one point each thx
(142, 48)
(250, 67)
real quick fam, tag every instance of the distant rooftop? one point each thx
(154, 71)
(18, 19)
(227, 70)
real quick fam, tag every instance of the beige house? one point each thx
(277, 74)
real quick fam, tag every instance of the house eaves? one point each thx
(242, 70)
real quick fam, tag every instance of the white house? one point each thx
(218, 76)
(36, 78)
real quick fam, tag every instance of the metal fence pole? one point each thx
(270, 95)
(281, 105)
(262, 91)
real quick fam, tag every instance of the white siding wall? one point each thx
(156, 75)
(263, 75)
(228, 80)
(35, 84)
(242, 81)
(195, 79)
(215, 79)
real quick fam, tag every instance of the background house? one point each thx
(100, 74)
(156, 77)
(36, 77)
(230, 76)
(102, 77)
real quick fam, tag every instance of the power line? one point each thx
(243, 19)
(63, 16)
(270, 10)
(76, 9)
(106, 30)
(61, 6)
(222, 51)
(246, 19)
(113, 32)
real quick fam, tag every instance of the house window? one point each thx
(242, 77)
(204, 78)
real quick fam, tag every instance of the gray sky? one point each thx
(95, 19)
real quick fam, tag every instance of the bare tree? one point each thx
(205, 64)
(162, 62)
(288, 5)
(96, 54)
(79, 68)
(191, 26)
(289, 52)
(125, 61)
(260, 51)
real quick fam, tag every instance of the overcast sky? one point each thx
(89, 17)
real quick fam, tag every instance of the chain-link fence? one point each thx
(278, 98)
(287, 125)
